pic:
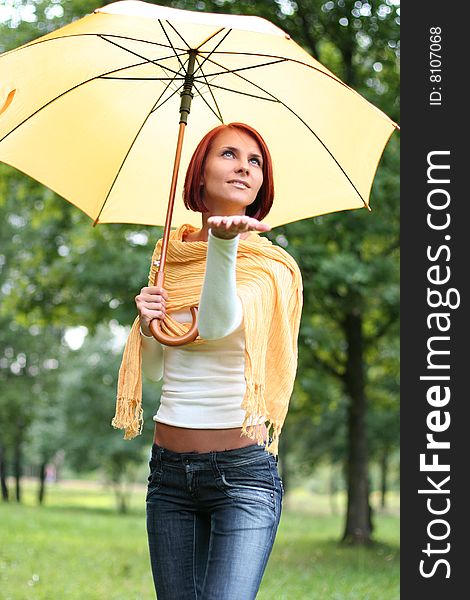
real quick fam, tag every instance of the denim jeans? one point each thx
(211, 521)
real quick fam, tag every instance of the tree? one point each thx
(28, 374)
(88, 395)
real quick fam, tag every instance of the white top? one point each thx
(204, 384)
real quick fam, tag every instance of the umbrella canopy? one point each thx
(91, 110)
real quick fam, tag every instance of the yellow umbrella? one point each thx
(91, 111)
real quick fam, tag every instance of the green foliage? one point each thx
(57, 271)
(89, 396)
(29, 362)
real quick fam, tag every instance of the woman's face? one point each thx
(233, 173)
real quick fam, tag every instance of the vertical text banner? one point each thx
(435, 323)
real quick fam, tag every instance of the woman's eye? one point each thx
(256, 161)
(227, 152)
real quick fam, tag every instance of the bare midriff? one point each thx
(183, 439)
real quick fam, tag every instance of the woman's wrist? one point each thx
(145, 331)
(228, 236)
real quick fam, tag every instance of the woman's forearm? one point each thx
(220, 310)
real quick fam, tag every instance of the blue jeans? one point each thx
(211, 521)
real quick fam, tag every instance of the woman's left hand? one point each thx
(229, 227)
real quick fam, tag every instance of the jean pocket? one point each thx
(155, 478)
(252, 481)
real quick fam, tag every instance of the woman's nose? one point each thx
(243, 165)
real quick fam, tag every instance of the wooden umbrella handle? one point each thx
(168, 340)
(155, 324)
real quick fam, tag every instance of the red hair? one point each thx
(192, 197)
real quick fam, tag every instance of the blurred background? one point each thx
(72, 490)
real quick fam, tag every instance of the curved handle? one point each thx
(169, 340)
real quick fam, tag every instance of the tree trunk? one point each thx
(358, 526)
(3, 474)
(383, 477)
(18, 468)
(121, 498)
(42, 482)
(333, 489)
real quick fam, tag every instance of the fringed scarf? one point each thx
(269, 285)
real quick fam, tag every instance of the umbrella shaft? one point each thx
(186, 97)
(171, 201)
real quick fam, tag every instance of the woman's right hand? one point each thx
(151, 304)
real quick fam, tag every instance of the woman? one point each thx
(214, 495)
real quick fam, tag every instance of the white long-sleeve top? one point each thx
(204, 384)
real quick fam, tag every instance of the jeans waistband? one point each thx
(233, 456)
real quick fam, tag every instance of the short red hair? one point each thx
(192, 184)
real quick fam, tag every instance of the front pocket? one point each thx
(155, 480)
(256, 475)
(252, 482)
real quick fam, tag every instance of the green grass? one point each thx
(78, 548)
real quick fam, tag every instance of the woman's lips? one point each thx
(239, 184)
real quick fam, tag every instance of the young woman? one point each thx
(214, 495)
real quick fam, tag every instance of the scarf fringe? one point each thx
(256, 433)
(254, 403)
(129, 416)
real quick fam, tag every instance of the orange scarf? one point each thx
(269, 285)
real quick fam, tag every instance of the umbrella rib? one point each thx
(169, 41)
(221, 87)
(292, 60)
(152, 110)
(63, 37)
(210, 37)
(144, 58)
(100, 76)
(120, 168)
(210, 90)
(328, 150)
(213, 49)
(171, 79)
(151, 61)
(302, 121)
(217, 114)
(227, 71)
(178, 34)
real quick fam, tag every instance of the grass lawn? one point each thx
(77, 547)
